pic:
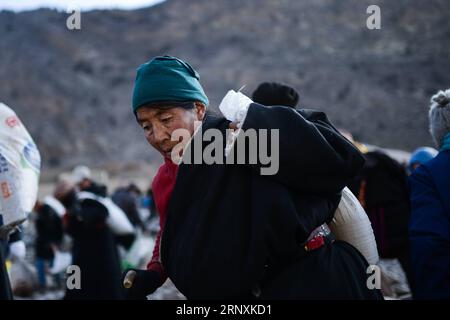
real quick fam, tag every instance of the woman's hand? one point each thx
(234, 125)
(138, 284)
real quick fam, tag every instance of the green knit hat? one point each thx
(164, 79)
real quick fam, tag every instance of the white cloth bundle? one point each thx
(56, 205)
(234, 107)
(117, 219)
(351, 224)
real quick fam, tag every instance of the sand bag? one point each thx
(351, 224)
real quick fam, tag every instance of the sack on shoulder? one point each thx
(351, 224)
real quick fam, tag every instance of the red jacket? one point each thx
(162, 187)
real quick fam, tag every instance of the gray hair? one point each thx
(439, 116)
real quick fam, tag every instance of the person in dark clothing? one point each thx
(276, 94)
(382, 189)
(96, 188)
(82, 177)
(149, 203)
(227, 231)
(49, 235)
(127, 199)
(94, 248)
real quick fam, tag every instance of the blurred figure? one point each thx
(82, 177)
(127, 198)
(382, 189)
(49, 235)
(430, 218)
(89, 189)
(94, 248)
(149, 203)
(276, 94)
(420, 156)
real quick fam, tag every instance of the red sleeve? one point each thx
(155, 262)
(162, 187)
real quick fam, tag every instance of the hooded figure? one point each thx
(227, 230)
(94, 248)
(430, 215)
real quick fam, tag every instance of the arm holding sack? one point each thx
(313, 156)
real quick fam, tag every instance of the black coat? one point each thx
(127, 202)
(49, 231)
(229, 229)
(386, 201)
(95, 252)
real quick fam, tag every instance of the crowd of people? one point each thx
(81, 224)
(226, 231)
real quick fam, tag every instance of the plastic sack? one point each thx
(351, 224)
(117, 219)
(20, 164)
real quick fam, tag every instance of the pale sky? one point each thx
(20, 5)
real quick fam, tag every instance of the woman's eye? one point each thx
(165, 120)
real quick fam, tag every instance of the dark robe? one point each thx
(382, 188)
(231, 230)
(49, 232)
(94, 250)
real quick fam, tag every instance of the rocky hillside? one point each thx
(72, 89)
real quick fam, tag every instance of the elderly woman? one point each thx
(227, 231)
(430, 215)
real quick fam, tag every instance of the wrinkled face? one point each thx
(159, 123)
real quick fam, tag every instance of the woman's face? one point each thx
(159, 123)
